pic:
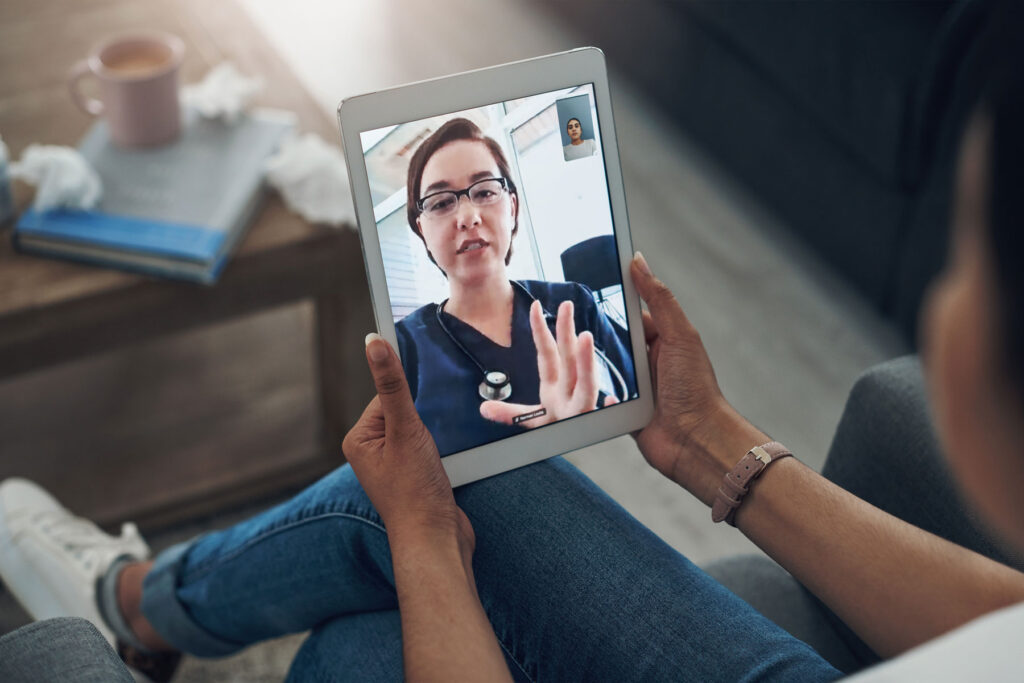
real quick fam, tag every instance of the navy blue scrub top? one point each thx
(445, 382)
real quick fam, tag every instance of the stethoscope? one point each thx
(497, 384)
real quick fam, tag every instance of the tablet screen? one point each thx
(501, 264)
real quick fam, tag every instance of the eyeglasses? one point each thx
(480, 193)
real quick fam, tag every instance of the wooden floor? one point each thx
(247, 384)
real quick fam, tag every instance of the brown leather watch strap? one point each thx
(737, 483)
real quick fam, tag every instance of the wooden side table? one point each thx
(53, 311)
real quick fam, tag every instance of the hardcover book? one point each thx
(176, 211)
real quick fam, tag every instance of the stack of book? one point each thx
(175, 211)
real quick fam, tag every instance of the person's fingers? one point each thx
(365, 433)
(585, 394)
(610, 401)
(650, 328)
(653, 340)
(652, 360)
(389, 377)
(565, 328)
(547, 349)
(665, 310)
(372, 418)
(506, 413)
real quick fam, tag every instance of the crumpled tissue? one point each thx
(224, 93)
(62, 176)
(312, 179)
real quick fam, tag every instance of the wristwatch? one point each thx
(737, 483)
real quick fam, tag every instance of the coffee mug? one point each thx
(138, 87)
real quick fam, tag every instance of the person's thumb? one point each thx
(507, 413)
(665, 310)
(389, 378)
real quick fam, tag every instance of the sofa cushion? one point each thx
(856, 68)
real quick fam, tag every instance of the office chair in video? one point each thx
(594, 263)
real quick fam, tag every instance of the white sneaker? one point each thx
(50, 560)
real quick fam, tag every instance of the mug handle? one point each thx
(90, 105)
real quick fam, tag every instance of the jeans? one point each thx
(61, 649)
(575, 588)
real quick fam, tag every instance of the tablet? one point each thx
(493, 224)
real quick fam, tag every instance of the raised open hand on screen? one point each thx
(568, 374)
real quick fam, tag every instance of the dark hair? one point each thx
(1002, 102)
(452, 131)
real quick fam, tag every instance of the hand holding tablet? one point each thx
(496, 266)
(395, 459)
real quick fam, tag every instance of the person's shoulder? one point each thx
(418, 319)
(984, 649)
(556, 291)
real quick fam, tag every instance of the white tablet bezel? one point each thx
(482, 87)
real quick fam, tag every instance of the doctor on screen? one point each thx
(578, 148)
(498, 356)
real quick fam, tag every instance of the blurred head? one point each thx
(468, 237)
(973, 327)
(574, 128)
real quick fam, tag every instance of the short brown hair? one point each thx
(452, 131)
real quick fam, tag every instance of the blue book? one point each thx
(176, 211)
